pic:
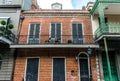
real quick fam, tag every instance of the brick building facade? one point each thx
(53, 45)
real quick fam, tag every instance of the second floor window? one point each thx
(34, 33)
(77, 33)
(55, 32)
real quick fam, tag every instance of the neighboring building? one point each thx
(10, 11)
(106, 28)
(54, 45)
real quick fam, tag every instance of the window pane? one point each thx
(80, 35)
(31, 33)
(58, 30)
(52, 30)
(32, 69)
(37, 30)
(74, 31)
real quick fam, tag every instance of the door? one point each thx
(58, 69)
(32, 69)
(83, 66)
(77, 33)
(34, 34)
(112, 65)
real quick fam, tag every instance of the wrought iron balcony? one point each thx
(108, 0)
(4, 37)
(110, 28)
(46, 39)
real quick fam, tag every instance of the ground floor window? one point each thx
(58, 69)
(112, 65)
(32, 69)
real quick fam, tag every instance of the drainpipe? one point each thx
(108, 60)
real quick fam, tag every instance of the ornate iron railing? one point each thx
(63, 39)
(108, 28)
(10, 36)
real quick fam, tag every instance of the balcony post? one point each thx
(100, 9)
(108, 60)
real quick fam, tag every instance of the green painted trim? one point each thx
(108, 60)
(98, 1)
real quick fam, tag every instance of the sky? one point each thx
(66, 4)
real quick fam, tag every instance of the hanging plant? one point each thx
(3, 22)
(8, 32)
(10, 26)
(1, 34)
(2, 28)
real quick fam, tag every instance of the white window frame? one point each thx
(26, 67)
(82, 29)
(55, 28)
(34, 31)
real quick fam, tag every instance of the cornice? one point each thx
(56, 13)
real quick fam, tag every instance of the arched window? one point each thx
(0, 61)
(84, 67)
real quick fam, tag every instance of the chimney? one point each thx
(34, 5)
(83, 8)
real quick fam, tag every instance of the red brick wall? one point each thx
(66, 27)
(45, 70)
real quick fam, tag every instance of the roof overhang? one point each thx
(55, 46)
(5, 40)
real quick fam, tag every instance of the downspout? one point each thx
(108, 60)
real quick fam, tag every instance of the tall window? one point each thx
(84, 68)
(58, 69)
(77, 33)
(34, 33)
(7, 1)
(55, 32)
(32, 69)
(0, 61)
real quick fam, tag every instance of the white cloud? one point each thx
(46, 4)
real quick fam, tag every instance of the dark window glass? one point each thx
(52, 30)
(58, 69)
(84, 69)
(55, 32)
(32, 69)
(77, 33)
(34, 34)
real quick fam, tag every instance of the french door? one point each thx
(77, 33)
(84, 67)
(32, 69)
(58, 69)
(34, 33)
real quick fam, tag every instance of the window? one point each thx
(34, 33)
(0, 61)
(55, 32)
(84, 68)
(77, 33)
(58, 69)
(7, 1)
(32, 69)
